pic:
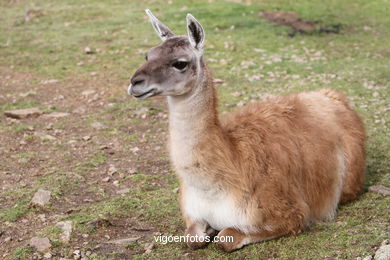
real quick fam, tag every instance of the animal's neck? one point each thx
(191, 118)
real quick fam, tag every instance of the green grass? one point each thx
(355, 61)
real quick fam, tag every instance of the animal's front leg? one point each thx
(230, 239)
(198, 233)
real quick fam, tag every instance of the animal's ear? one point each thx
(195, 32)
(161, 29)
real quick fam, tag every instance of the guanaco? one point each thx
(263, 171)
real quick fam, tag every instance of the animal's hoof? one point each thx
(229, 240)
(227, 247)
(196, 245)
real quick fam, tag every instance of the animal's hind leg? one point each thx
(354, 178)
(230, 239)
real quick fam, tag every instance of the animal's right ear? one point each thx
(161, 29)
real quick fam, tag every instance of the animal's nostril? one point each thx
(137, 81)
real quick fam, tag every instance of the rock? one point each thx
(141, 111)
(49, 81)
(47, 256)
(40, 244)
(56, 115)
(88, 50)
(148, 248)
(217, 81)
(87, 138)
(132, 171)
(112, 170)
(41, 197)
(7, 239)
(44, 136)
(383, 253)
(123, 191)
(66, 227)
(134, 149)
(123, 241)
(368, 258)
(28, 93)
(385, 191)
(23, 113)
(98, 125)
(107, 179)
(79, 110)
(76, 254)
(176, 190)
(235, 94)
(88, 92)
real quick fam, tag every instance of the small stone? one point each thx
(236, 94)
(66, 227)
(132, 171)
(98, 125)
(112, 170)
(123, 241)
(217, 81)
(47, 256)
(49, 126)
(103, 147)
(44, 136)
(79, 110)
(116, 183)
(141, 111)
(88, 50)
(88, 92)
(7, 239)
(85, 235)
(56, 115)
(87, 138)
(175, 190)
(107, 179)
(148, 248)
(41, 197)
(23, 113)
(368, 258)
(28, 93)
(134, 149)
(380, 189)
(76, 254)
(40, 244)
(88, 253)
(49, 81)
(123, 191)
(383, 253)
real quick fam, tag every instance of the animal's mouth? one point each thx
(149, 93)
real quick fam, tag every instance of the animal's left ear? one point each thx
(195, 33)
(161, 29)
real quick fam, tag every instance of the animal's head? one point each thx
(173, 67)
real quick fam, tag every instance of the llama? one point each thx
(266, 170)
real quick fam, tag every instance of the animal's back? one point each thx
(306, 149)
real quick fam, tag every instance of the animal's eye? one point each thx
(180, 65)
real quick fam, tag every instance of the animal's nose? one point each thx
(136, 81)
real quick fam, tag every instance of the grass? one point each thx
(251, 56)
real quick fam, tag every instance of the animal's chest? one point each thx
(213, 206)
